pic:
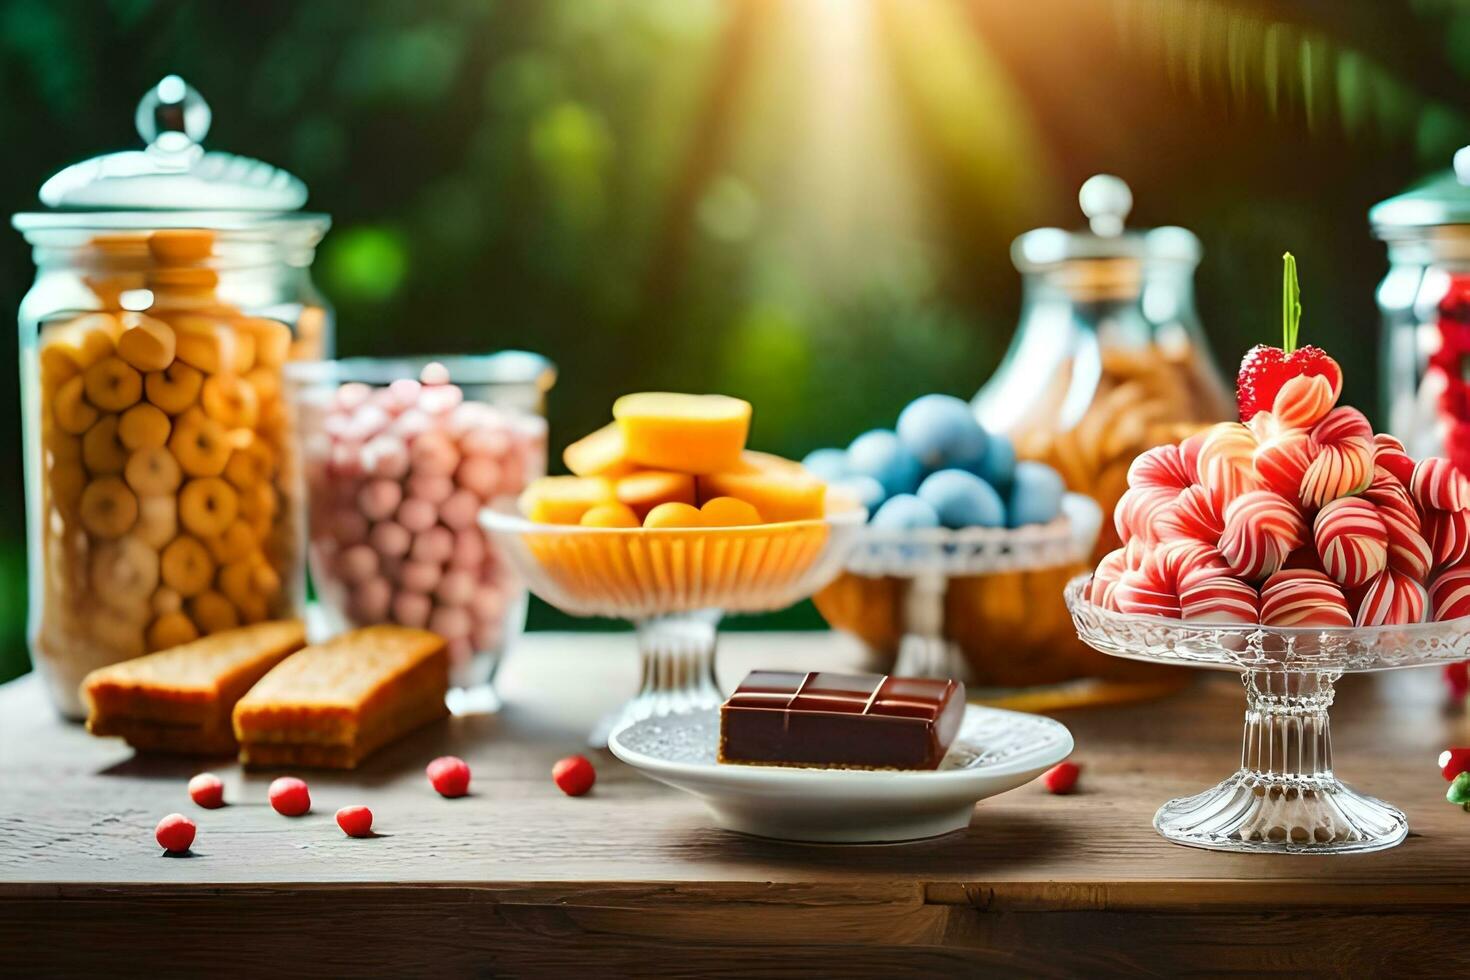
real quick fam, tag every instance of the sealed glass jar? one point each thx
(1109, 359)
(1425, 303)
(171, 288)
(400, 455)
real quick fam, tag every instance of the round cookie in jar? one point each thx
(160, 492)
(1109, 359)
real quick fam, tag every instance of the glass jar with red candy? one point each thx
(1425, 303)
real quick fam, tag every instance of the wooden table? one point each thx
(633, 879)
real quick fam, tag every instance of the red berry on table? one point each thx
(1061, 778)
(1453, 761)
(1457, 679)
(449, 775)
(573, 775)
(289, 796)
(207, 790)
(174, 833)
(355, 821)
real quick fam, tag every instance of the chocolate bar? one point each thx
(849, 721)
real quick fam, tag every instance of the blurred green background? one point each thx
(807, 203)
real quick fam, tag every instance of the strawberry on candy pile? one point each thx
(1266, 370)
(1297, 515)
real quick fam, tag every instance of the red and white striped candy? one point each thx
(1261, 529)
(1220, 599)
(1281, 460)
(1389, 453)
(1181, 563)
(1189, 448)
(1160, 467)
(1225, 459)
(1105, 578)
(1408, 551)
(1438, 483)
(1392, 599)
(1352, 541)
(1302, 597)
(1197, 513)
(1448, 534)
(1139, 592)
(1342, 464)
(1387, 494)
(1449, 595)
(1136, 510)
(1303, 400)
(1383, 440)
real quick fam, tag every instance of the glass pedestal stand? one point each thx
(675, 585)
(678, 670)
(925, 561)
(1286, 797)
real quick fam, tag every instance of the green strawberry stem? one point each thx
(1291, 304)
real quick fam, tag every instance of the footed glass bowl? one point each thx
(675, 584)
(1285, 797)
(934, 596)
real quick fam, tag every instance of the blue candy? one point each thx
(827, 465)
(941, 431)
(1036, 494)
(905, 512)
(962, 499)
(868, 491)
(880, 455)
(998, 468)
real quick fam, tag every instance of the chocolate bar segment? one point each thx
(849, 721)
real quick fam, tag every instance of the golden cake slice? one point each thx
(331, 705)
(180, 699)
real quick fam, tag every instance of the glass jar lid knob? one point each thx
(1106, 200)
(173, 117)
(1462, 165)
(173, 171)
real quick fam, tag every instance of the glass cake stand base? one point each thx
(1257, 813)
(678, 671)
(1284, 798)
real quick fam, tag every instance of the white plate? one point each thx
(995, 751)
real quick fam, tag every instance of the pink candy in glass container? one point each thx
(399, 455)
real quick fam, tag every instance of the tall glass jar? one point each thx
(1424, 300)
(1109, 359)
(172, 287)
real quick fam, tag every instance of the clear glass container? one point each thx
(400, 456)
(675, 585)
(172, 286)
(1109, 359)
(1424, 300)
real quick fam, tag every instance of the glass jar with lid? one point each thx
(1424, 300)
(172, 286)
(1109, 359)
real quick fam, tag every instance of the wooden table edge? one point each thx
(1162, 895)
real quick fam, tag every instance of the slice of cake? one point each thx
(331, 705)
(180, 699)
